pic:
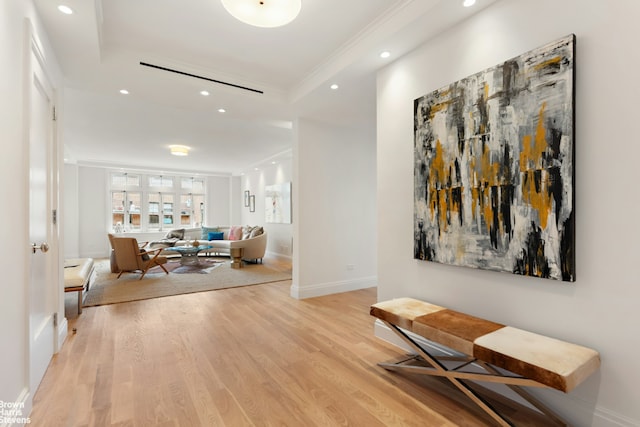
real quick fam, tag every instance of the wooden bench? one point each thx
(536, 360)
(77, 277)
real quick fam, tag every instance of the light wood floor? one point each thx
(248, 356)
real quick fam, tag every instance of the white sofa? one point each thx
(254, 248)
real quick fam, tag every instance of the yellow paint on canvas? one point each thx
(548, 62)
(531, 160)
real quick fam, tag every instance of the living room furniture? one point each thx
(236, 257)
(130, 258)
(77, 277)
(480, 345)
(112, 256)
(253, 243)
(189, 254)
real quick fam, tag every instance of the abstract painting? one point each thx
(278, 203)
(494, 167)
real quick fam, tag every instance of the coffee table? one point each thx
(189, 254)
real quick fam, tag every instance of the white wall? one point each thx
(71, 211)
(600, 309)
(93, 212)
(90, 193)
(280, 236)
(14, 172)
(218, 210)
(334, 209)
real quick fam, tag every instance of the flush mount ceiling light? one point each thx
(264, 13)
(469, 3)
(179, 150)
(65, 9)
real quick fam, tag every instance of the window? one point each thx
(123, 180)
(156, 202)
(167, 209)
(164, 182)
(125, 210)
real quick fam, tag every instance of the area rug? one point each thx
(204, 266)
(106, 288)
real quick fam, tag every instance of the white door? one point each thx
(41, 288)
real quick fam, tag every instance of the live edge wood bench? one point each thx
(77, 277)
(536, 360)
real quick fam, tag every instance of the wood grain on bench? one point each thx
(537, 360)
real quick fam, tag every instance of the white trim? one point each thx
(279, 256)
(63, 327)
(97, 255)
(321, 289)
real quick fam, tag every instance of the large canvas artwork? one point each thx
(494, 167)
(278, 203)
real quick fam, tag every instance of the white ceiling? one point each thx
(101, 45)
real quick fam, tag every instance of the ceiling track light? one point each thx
(264, 13)
(170, 70)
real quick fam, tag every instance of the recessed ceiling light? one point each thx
(124, 91)
(274, 162)
(221, 110)
(469, 3)
(65, 9)
(334, 86)
(256, 169)
(385, 54)
(204, 93)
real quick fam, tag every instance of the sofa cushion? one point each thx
(249, 231)
(246, 232)
(206, 231)
(175, 234)
(145, 255)
(216, 235)
(256, 231)
(235, 232)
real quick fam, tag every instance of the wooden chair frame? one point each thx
(141, 264)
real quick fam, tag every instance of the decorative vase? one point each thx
(196, 243)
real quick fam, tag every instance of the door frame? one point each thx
(33, 46)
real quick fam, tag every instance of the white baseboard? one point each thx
(321, 289)
(279, 256)
(577, 411)
(63, 327)
(95, 255)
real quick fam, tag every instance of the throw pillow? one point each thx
(206, 231)
(145, 255)
(216, 235)
(175, 234)
(235, 232)
(246, 232)
(256, 231)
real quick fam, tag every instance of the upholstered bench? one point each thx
(77, 277)
(536, 360)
